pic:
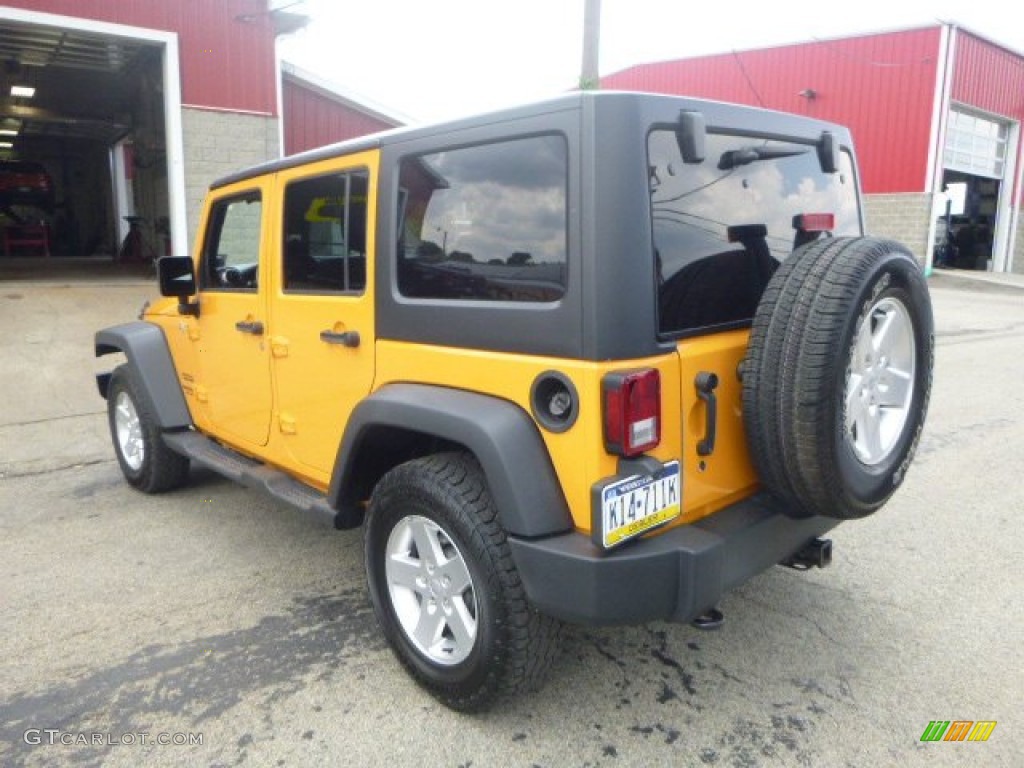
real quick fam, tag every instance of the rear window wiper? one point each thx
(734, 158)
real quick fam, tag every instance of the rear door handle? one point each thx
(346, 339)
(706, 384)
(255, 327)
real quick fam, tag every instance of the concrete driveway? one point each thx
(212, 614)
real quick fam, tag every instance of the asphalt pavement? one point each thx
(239, 631)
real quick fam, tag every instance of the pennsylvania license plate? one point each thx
(635, 505)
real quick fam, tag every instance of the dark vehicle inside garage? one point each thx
(24, 183)
(82, 148)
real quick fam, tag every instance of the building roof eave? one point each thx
(337, 93)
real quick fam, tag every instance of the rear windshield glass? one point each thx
(721, 227)
(485, 223)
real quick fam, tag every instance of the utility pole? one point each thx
(589, 77)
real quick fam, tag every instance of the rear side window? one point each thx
(325, 234)
(485, 223)
(231, 253)
(721, 227)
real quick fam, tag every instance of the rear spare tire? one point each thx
(838, 374)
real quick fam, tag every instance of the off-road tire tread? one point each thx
(530, 640)
(791, 378)
(162, 469)
(766, 371)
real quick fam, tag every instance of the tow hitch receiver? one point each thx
(817, 553)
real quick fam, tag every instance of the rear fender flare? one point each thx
(500, 434)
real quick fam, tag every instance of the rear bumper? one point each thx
(675, 576)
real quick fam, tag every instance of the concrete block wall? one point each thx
(903, 217)
(219, 143)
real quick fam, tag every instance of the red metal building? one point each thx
(136, 105)
(935, 113)
(216, 41)
(318, 113)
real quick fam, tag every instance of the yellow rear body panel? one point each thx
(714, 481)
(578, 455)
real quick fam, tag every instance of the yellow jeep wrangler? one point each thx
(594, 360)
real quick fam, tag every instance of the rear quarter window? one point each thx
(485, 222)
(721, 228)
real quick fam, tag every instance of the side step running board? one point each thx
(250, 473)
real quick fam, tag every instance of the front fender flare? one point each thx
(500, 434)
(149, 358)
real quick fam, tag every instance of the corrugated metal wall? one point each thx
(313, 120)
(881, 86)
(989, 78)
(226, 46)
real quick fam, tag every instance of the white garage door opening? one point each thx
(98, 107)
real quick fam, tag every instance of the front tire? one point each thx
(146, 461)
(445, 589)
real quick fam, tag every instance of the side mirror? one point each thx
(178, 278)
(828, 152)
(690, 134)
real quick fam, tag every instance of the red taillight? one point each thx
(632, 411)
(815, 222)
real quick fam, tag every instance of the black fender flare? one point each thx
(500, 434)
(150, 361)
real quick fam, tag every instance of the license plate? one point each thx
(637, 504)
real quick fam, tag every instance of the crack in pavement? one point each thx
(51, 419)
(9, 474)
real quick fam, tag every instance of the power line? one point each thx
(746, 75)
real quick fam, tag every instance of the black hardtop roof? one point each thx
(566, 102)
(395, 135)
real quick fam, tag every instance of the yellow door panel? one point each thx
(231, 350)
(235, 369)
(322, 319)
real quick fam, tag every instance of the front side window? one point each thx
(721, 227)
(231, 253)
(487, 222)
(325, 234)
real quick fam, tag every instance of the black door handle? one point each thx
(706, 383)
(255, 327)
(346, 339)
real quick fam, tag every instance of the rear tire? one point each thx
(838, 375)
(445, 589)
(146, 461)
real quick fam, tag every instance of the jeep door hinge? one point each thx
(286, 423)
(279, 346)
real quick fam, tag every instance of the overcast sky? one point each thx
(434, 59)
